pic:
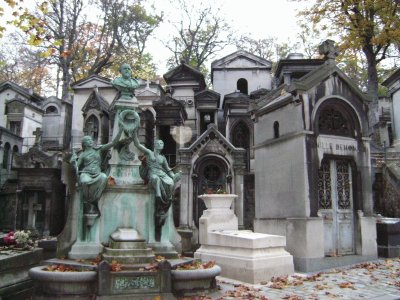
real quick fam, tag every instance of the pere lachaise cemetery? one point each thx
(137, 190)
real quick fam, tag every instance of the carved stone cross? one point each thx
(32, 207)
(329, 50)
(38, 136)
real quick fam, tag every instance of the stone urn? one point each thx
(193, 282)
(64, 285)
(218, 201)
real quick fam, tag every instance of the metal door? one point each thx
(335, 201)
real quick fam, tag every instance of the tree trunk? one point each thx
(372, 87)
(66, 78)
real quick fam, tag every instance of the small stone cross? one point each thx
(32, 207)
(329, 50)
(38, 136)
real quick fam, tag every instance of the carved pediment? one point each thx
(36, 158)
(241, 59)
(167, 101)
(213, 146)
(97, 102)
(21, 92)
(146, 93)
(212, 141)
(14, 107)
(91, 82)
(207, 96)
(183, 76)
(185, 72)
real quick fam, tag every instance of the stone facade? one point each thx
(312, 177)
(34, 132)
(393, 84)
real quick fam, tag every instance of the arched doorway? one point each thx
(211, 173)
(240, 135)
(242, 86)
(92, 127)
(337, 122)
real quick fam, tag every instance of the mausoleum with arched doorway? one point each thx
(312, 170)
(211, 163)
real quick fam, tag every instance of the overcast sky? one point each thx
(261, 18)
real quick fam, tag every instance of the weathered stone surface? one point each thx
(14, 279)
(194, 282)
(243, 255)
(388, 233)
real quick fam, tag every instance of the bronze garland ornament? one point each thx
(128, 121)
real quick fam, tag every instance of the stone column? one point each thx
(47, 213)
(184, 197)
(395, 97)
(18, 194)
(238, 190)
(184, 229)
(365, 168)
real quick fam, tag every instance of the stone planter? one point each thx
(65, 285)
(192, 282)
(218, 201)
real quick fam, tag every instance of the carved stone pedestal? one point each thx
(128, 247)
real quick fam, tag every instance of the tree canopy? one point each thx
(369, 26)
(63, 35)
(201, 33)
(80, 46)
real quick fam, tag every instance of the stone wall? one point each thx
(388, 204)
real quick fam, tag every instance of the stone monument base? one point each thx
(164, 249)
(247, 256)
(127, 246)
(85, 250)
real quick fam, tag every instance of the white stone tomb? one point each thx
(242, 254)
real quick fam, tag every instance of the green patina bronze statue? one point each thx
(126, 85)
(156, 172)
(90, 176)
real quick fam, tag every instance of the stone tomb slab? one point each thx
(247, 256)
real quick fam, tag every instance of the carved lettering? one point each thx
(337, 147)
(345, 147)
(126, 283)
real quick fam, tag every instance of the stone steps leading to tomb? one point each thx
(128, 252)
(128, 244)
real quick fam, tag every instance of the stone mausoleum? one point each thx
(313, 171)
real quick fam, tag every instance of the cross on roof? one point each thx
(329, 49)
(38, 136)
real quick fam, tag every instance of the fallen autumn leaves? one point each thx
(345, 283)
